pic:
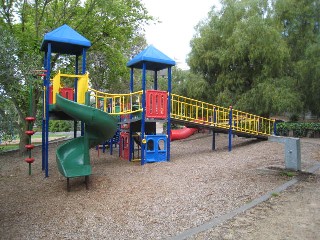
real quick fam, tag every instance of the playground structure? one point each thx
(137, 111)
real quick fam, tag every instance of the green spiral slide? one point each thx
(73, 157)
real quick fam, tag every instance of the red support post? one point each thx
(124, 145)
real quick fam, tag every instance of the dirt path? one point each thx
(293, 214)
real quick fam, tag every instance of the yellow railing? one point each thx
(250, 123)
(117, 104)
(191, 110)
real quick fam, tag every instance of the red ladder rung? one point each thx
(29, 160)
(30, 119)
(29, 132)
(29, 146)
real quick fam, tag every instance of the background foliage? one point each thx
(112, 26)
(261, 56)
(298, 129)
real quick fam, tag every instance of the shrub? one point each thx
(59, 126)
(298, 129)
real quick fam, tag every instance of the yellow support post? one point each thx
(56, 81)
(83, 86)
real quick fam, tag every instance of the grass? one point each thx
(288, 174)
(10, 147)
(15, 146)
(275, 194)
(50, 135)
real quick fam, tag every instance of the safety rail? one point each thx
(252, 124)
(117, 104)
(191, 110)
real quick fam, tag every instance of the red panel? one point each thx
(50, 95)
(156, 104)
(67, 93)
(124, 145)
(64, 92)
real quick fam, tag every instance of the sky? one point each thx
(178, 18)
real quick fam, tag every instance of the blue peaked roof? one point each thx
(154, 59)
(65, 40)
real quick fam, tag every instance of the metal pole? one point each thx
(44, 114)
(230, 129)
(84, 59)
(131, 142)
(213, 132)
(47, 111)
(168, 114)
(144, 68)
(75, 96)
(213, 140)
(155, 81)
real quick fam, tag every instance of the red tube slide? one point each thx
(182, 133)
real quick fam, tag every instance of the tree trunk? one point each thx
(24, 140)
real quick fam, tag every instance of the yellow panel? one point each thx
(83, 86)
(55, 87)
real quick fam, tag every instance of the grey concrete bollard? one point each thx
(292, 150)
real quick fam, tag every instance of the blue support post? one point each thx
(76, 80)
(131, 144)
(44, 114)
(131, 79)
(213, 140)
(275, 128)
(75, 95)
(143, 145)
(168, 114)
(155, 80)
(213, 132)
(47, 111)
(111, 146)
(230, 130)
(84, 59)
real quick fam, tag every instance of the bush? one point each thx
(298, 129)
(59, 126)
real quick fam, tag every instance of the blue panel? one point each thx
(153, 153)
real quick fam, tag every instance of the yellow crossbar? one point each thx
(117, 104)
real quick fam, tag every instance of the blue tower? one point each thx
(155, 104)
(63, 40)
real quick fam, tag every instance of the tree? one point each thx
(14, 80)
(8, 121)
(308, 70)
(112, 26)
(246, 52)
(300, 21)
